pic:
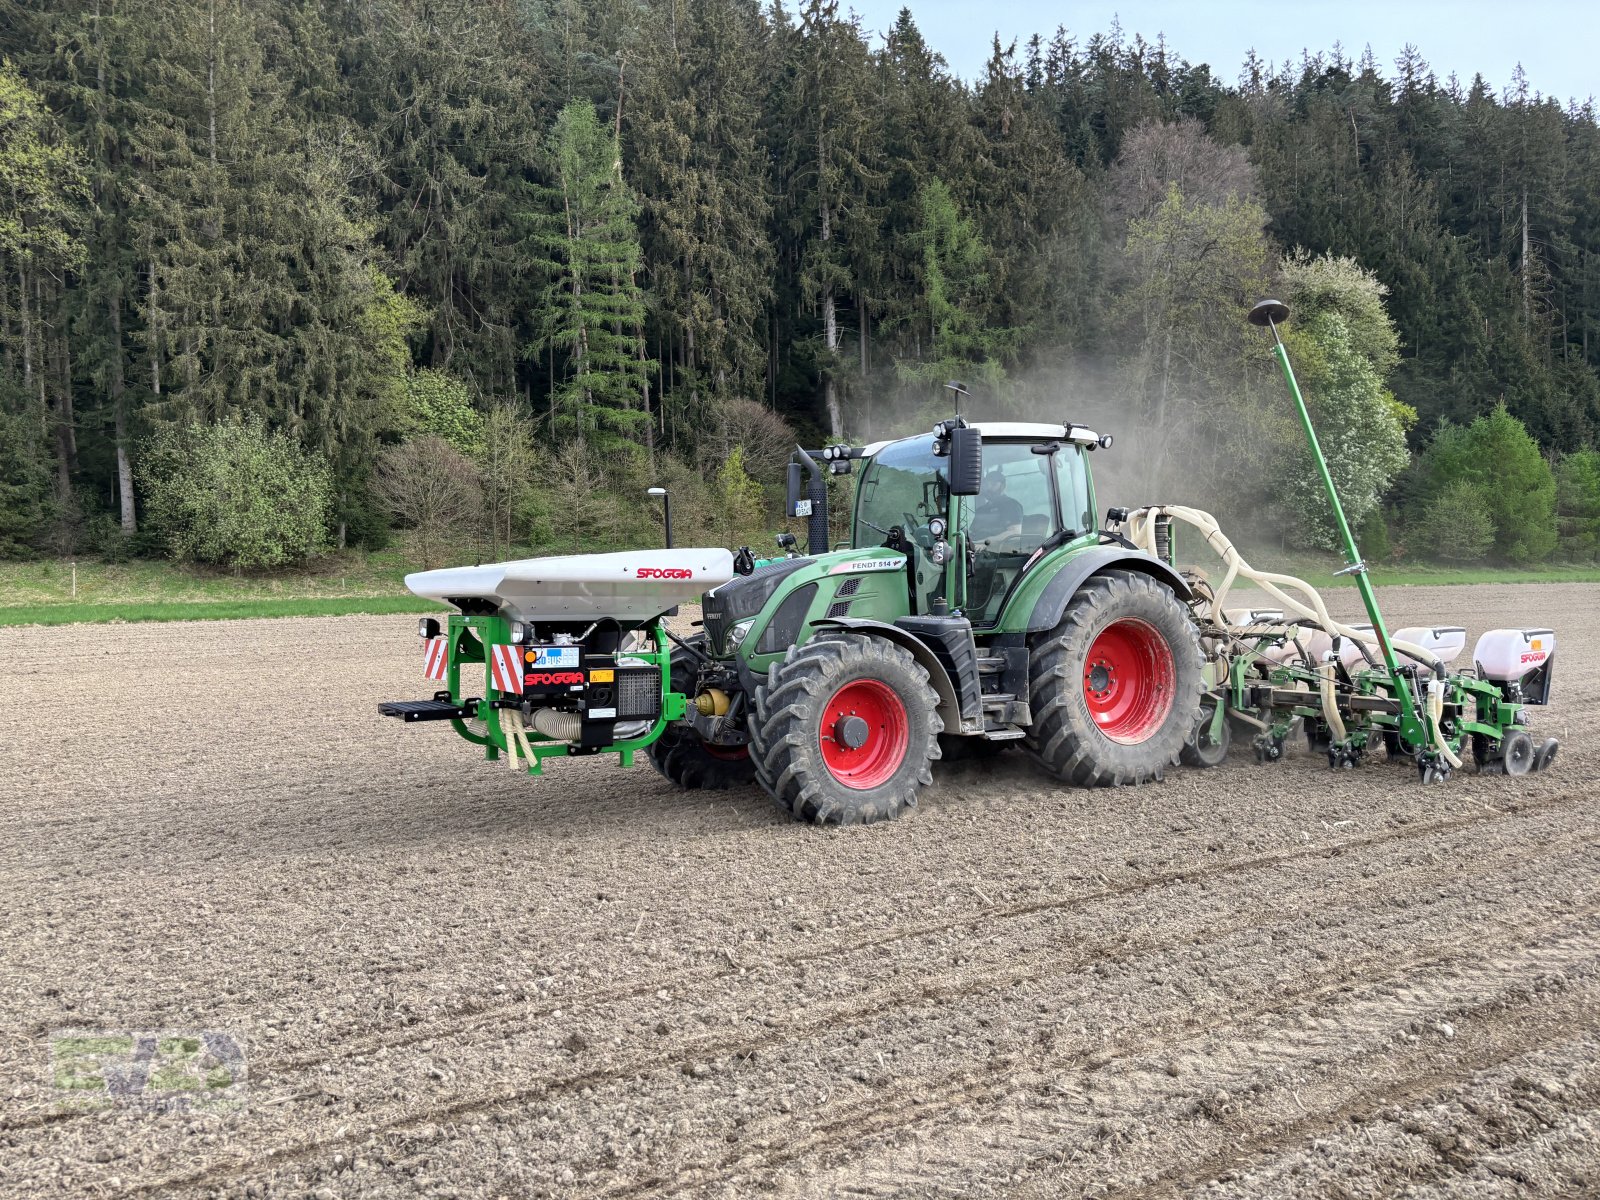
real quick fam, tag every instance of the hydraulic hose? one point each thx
(1436, 718)
(1142, 534)
(1141, 531)
(1330, 704)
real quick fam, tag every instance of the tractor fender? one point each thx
(1098, 560)
(949, 702)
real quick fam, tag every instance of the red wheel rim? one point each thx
(865, 733)
(1129, 681)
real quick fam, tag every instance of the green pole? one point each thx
(1409, 722)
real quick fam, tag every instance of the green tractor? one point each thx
(976, 605)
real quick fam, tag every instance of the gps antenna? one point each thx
(960, 389)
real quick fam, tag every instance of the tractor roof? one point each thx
(1029, 430)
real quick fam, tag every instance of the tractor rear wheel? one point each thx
(1116, 686)
(845, 729)
(682, 755)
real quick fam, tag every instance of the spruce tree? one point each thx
(446, 92)
(594, 308)
(824, 133)
(691, 119)
(955, 294)
(43, 196)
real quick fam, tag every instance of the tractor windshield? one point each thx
(905, 484)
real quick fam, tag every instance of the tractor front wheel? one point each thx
(1116, 686)
(845, 730)
(682, 755)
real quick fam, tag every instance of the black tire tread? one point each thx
(1063, 737)
(1211, 755)
(681, 756)
(781, 728)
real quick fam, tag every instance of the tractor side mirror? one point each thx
(792, 494)
(966, 461)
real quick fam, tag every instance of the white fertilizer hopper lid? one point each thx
(629, 586)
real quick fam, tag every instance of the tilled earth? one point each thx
(454, 981)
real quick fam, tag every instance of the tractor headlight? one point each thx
(936, 527)
(427, 627)
(739, 632)
(519, 633)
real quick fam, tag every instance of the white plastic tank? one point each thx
(631, 585)
(1445, 641)
(1507, 655)
(1318, 644)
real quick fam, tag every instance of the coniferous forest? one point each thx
(289, 275)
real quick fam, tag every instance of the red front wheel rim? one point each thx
(1129, 681)
(865, 734)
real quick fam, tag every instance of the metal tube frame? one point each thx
(470, 635)
(1412, 727)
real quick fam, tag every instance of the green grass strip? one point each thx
(1320, 575)
(210, 610)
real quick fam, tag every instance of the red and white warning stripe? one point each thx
(505, 668)
(436, 658)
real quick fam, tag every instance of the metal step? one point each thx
(426, 710)
(1002, 708)
(1002, 733)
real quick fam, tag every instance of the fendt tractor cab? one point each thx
(975, 605)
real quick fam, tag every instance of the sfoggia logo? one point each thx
(663, 573)
(551, 678)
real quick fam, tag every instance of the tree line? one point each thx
(491, 267)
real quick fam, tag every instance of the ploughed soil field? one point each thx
(450, 980)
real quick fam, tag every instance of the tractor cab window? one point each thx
(1012, 517)
(1072, 484)
(905, 485)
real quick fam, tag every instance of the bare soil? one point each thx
(455, 981)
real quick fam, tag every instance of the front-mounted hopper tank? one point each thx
(561, 655)
(632, 587)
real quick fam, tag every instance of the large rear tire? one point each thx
(1116, 687)
(682, 756)
(844, 730)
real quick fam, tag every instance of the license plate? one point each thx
(545, 658)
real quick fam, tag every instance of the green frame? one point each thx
(1474, 706)
(469, 638)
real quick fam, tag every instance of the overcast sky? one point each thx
(1556, 41)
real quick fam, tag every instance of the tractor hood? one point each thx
(772, 602)
(631, 587)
